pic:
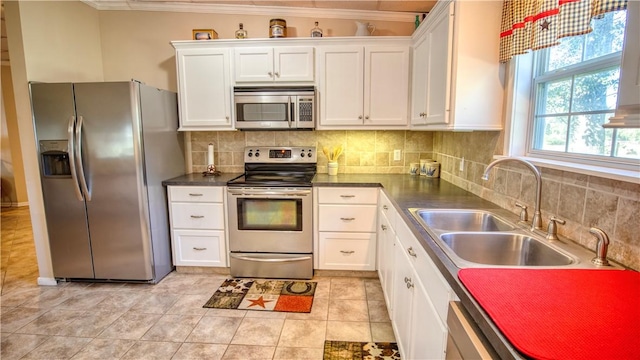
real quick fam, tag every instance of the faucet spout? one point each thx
(536, 222)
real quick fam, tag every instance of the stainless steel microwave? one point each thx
(275, 108)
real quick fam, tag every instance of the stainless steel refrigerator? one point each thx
(104, 150)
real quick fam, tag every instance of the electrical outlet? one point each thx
(397, 155)
(462, 164)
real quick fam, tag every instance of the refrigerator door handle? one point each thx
(83, 180)
(72, 157)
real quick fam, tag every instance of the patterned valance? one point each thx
(536, 24)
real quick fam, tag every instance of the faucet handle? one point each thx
(524, 216)
(552, 229)
(601, 247)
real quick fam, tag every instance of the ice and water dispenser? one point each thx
(55, 158)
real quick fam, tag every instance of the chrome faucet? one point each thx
(601, 247)
(536, 222)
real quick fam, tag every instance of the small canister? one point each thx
(423, 165)
(414, 168)
(432, 170)
(277, 28)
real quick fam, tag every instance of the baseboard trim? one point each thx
(12, 204)
(44, 281)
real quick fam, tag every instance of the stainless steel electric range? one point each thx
(270, 213)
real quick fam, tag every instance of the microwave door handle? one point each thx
(291, 112)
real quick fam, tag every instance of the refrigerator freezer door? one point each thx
(112, 157)
(53, 108)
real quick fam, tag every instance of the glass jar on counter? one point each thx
(277, 28)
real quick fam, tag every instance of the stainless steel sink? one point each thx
(503, 249)
(461, 220)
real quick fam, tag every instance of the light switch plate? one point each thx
(397, 155)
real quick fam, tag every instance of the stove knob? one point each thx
(250, 154)
(301, 154)
(257, 154)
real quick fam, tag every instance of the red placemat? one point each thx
(562, 314)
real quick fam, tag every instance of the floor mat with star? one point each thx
(264, 295)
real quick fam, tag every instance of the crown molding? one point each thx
(251, 10)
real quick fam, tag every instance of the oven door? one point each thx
(266, 112)
(270, 220)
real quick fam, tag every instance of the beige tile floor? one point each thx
(167, 321)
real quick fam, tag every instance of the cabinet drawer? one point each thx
(360, 218)
(195, 193)
(348, 195)
(439, 290)
(197, 216)
(199, 248)
(347, 251)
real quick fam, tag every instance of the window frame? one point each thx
(520, 106)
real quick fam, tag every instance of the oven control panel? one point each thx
(283, 154)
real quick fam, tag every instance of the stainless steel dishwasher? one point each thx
(465, 340)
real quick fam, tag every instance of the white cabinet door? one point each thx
(386, 85)
(363, 86)
(253, 64)
(295, 63)
(419, 81)
(204, 89)
(274, 64)
(386, 240)
(402, 300)
(440, 41)
(428, 334)
(341, 88)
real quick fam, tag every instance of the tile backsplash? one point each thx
(364, 151)
(583, 201)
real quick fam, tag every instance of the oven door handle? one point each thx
(263, 192)
(248, 258)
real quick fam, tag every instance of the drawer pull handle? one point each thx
(197, 216)
(347, 252)
(412, 252)
(194, 194)
(199, 248)
(347, 196)
(385, 207)
(347, 219)
(383, 226)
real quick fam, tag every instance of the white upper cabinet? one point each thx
(457, 83)
(274, 64)
(363, 86)
(204, 88)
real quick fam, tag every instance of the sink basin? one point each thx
(461, 220)
(503, 249)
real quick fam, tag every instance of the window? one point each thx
(575, 89)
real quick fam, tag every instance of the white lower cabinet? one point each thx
(419, 331)
(346, 221)
(416, 293)
(197, 221)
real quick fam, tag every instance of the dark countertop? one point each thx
(407, 191)
(197, 179)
